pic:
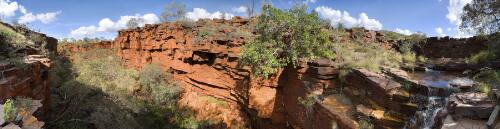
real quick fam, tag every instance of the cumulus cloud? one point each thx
(241, 9)
(107, 25)
(455, 11)
(403, 31)
(8, 8)
(201, 13)
(45, 18)
(343, 17)
(439, 32)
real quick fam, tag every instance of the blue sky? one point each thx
(81, 18)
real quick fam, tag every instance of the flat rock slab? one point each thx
(472, 105)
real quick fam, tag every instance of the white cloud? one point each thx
(45, 18)
(241, 9)
(403, 31)
(8, 8)
(200, 13)
(83, 32)
(107, 25)
(337, 17)
(439, 32)
(455, 11)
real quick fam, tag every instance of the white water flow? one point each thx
(436, 99)
(429, 108)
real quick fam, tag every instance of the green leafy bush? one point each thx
(9, 110)
(154, 80)
(367, 56)
(284, 37)
(104, 94)
(482, 56)
(487, 79)
(491, 53)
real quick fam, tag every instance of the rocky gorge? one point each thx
(310, 96)
(206, 63)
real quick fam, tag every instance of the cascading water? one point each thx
(429, 108)
(432, 102)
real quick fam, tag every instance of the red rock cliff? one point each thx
(210, 66)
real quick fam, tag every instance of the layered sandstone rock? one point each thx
(210, 66)
(24, 69)
(30, 80)
(451, 47)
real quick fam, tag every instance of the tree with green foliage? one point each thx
(173, 11)
(284, 37)
(482, 16)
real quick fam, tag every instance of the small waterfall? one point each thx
(431, 104)
(436, 104)
(429, 108)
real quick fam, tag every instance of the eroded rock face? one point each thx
(451, 47)
(210, 66)
(30, 80)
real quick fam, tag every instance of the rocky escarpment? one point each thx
(31, 80)
(209, 66)
(300, 97)
(310, 96)
(24, 68)
(70, 49)
(449, 54)
(446, 47)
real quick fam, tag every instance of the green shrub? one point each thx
(84, 42)
(483, 87)
(19, 62)
(491, 53)
(61, 70)
(9, 110)
(107, 95)
(154, 80)
(487, 79)
(37, 38)
(371, 57)
(216, 101)
(482, 56)
(10, 36)
(99, 68)
(409, 58)
(240, 33)
(284, 37)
